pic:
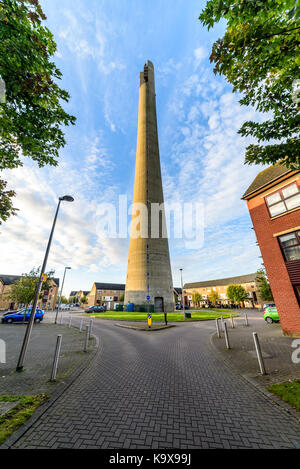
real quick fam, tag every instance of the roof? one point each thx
(178, 290)
(10, 279)
(267, 176)
(85, 292)
(110, 286)
(73, 293)
(223, 281)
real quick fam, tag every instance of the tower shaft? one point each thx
(149, 269)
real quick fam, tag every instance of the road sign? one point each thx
(44, 277)
(148, 298)
(149, 320)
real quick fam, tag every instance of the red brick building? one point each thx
(274, 204)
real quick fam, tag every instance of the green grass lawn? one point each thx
(13, 419)
(125, 316)
(288, 391)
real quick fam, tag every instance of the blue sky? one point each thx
(102, 46)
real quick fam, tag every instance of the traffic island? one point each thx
(144, 327)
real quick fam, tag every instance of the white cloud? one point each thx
(199, 55)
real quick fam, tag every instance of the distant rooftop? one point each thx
(223, 281)
(110, 286)
(267, 176)
(10, 279)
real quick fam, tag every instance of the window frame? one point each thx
(297, 235)
(282, 199)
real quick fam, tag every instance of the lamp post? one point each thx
(182, 302)
(66, 198)
(60, 295)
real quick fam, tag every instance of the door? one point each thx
(158, 304)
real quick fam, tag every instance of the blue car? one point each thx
(18, 316)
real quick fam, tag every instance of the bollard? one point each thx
(226, 336)
(56, 357)
(218, 328)
(61, 319)
(259, 354)
(222, 323)
(70, 321)
(91, 326)
(246, 320)
(232, 323)
(87, 333)
(81, 323)
(166, 319)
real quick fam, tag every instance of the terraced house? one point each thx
(219, 286)
(106, 294)
(273, 201)
(47, 300)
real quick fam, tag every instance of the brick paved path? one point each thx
(163, 389)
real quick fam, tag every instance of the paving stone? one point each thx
(164, 389)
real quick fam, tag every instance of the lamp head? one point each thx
(67, 198)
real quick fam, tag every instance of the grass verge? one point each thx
(125, 316)
(288, 391)
(17, 416)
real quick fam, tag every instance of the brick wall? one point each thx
(282, 289)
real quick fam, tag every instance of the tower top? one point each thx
(147, 76)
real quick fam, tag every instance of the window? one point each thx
(290, 244)
(283, 200)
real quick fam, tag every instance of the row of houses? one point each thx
(219, 286)
(110, 294)
(46, 301)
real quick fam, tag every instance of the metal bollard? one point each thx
(70, 321)
(218, 328)
(91, 326)
(222, 323)
(87, 334)
(232, 323)
(81, 323)
(226, 336)
(259, 354)
(61, 319)
(246, 320)
(56, 357)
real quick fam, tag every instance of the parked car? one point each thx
(268, 305)
(95, 309)
(180, 306)
(65, 307)
(18, 316)
(271, 315)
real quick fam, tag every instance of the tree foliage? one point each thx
(84, 300)
(23, 291)
(259, 56)
(264, 288)
(213, 297)
(31, 116)
(236, 293)
(6, 205)
(197, 298)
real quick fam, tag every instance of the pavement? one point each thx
(39, 359)
(276, 349)
(166, 389)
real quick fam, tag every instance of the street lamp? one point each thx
(182, 292)
(66, 198)
(62, 286)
